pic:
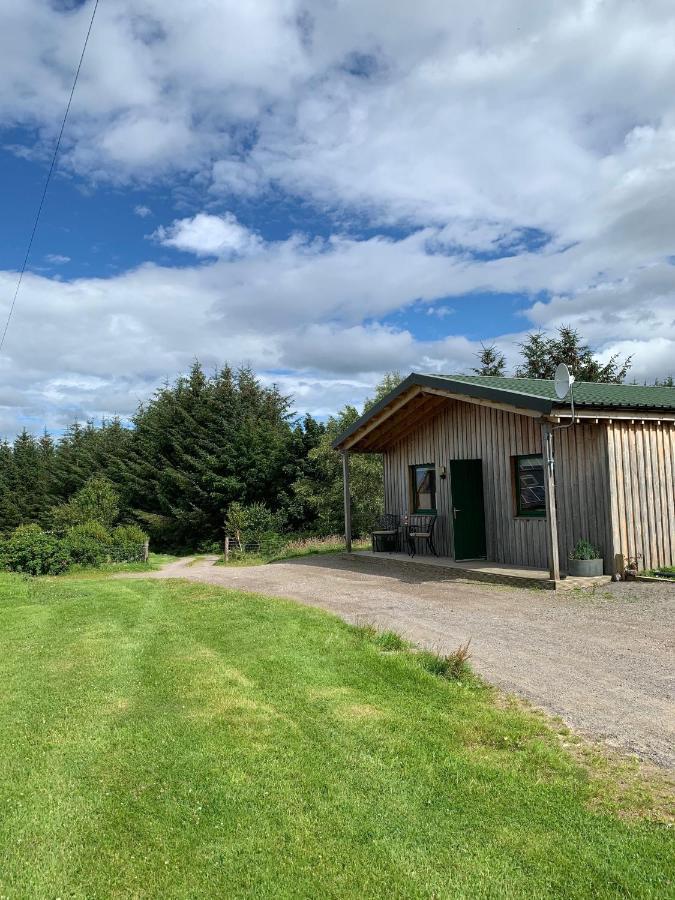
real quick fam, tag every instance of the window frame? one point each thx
(421, 511)
(520, 513)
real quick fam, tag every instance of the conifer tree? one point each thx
(27, 482)
(10, 515)
(491, 361)
(541, 355)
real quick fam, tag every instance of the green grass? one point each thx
(155, 562)
(667, 570)
(165, 739)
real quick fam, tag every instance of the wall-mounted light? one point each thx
(444, 472)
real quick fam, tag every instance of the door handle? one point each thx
(455, 511)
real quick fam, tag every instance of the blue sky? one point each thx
(328, 193)
(94, 231)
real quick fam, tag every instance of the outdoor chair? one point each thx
(385, 532)
(421, 528)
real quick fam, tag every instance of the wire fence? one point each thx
(128, 551)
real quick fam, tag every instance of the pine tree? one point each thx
(492, 362)
(27, 485)
(74, 462)
(10, 515)
(542, 355)
(202, 443)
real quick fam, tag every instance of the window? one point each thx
(529, 485)
(423, 488)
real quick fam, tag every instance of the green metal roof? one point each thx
(586, 393)
(529, 393)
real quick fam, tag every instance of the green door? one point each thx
(468, 513)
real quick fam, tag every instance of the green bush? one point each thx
(129, 534)
(128, 544)
(91, 544)
(254, 523)
(210, 547)
(96, 501)
(126, 551)
(31, 550)
(583, 549)
(88, 543)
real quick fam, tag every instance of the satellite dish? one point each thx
(563, 381)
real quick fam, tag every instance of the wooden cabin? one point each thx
(513, 477)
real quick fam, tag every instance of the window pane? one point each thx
(425, 487)
(531, 492)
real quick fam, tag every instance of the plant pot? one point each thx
(585, 568)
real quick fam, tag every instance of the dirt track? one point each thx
(603, 661)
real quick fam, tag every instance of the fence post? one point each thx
(146, 551)
(227, 549)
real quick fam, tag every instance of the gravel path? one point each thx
(602, 661)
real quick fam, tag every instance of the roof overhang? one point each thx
(421, 397)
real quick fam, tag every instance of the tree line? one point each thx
(197, 447)
(541, 354)
(206, 447)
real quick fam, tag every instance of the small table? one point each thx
(404, 540)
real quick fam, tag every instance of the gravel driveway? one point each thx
(602, 661)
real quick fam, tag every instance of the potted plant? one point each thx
(585, 560)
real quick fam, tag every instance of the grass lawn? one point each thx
(164, 739)
(155, 561)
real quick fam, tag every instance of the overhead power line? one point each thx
(49, 177)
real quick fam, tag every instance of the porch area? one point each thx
(444, 567)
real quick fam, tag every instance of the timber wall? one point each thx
(469, 431)
(642, 491)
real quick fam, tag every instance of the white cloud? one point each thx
(302, 308)
(57, 259)
(142, 211)
(478, 127)
(208, 235)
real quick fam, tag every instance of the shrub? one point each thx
(126, 552)
(452, 666)
(210, 547)
(254, 523)
(129, 534)
(31, 550)
(127, 544)
(96, 501)
(88, 543)
(583, 549)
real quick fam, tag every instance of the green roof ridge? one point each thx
(586, 393)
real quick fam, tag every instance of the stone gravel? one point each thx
(602, 660)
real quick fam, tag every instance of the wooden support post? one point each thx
(551, 513)
(227, 549)
(347, 500)
(146, 551)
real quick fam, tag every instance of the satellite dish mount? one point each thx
(563, 384)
